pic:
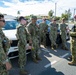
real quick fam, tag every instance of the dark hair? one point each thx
(20, 18)
(63, 19)
(1, 16)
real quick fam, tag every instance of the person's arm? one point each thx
(61, 28)
(28, 36)
(6, 42)
(3, 56)
(29, 27)
(22, 35)
(57, 26)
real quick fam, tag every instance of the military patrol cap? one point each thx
(33, 17)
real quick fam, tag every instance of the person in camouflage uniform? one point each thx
(4, 47)
(34, 31)
(43, 30)
(53, 34)
(73, 47)
(22, 36)
(63, 27)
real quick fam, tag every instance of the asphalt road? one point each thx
(54, 62)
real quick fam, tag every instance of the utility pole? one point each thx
(68, 15)
(74, 13)
(55, 8)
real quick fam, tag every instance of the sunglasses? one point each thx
(3, 21)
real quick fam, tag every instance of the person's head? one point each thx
(54, 20)
(63, 20)
(22, 20)
(2, 21)
(33, 19)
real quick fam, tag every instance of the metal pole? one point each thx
(68, 14)
(55, 8)
(74, 13)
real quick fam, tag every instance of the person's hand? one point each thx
(8, 66)
(29, 47)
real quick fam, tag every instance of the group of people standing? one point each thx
(34, 34)
(26, 33)
(54, 31)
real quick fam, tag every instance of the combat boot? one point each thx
(72, 63)
(38, 58)
(55, 46)
(63, 48)
(52, 47)
(24, 72)
(70, 58)
(66, 48)
(35, 60)
(45, 46)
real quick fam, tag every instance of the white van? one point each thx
(10, 32)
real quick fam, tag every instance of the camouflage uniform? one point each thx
(3, 50)
(63, 35)
(53, 34)
(22, 36)
(43, 30)
(73, 48)
(34, 31)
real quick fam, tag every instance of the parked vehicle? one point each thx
(10, 32)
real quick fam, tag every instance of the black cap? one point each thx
(21, 17)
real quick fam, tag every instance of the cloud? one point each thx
(37, 7)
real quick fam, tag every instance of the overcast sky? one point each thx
(36, 7)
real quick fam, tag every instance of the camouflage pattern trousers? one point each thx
(63, 37)
(53, 36)
(22, 56)
(3, 70)
(35, 52)
(73, 49)
(43, 38)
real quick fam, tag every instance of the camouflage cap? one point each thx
(33, 17)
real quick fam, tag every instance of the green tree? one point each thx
(57, 18)
(31, 15)
(66, 14)
(51, 13)
(18, 12)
